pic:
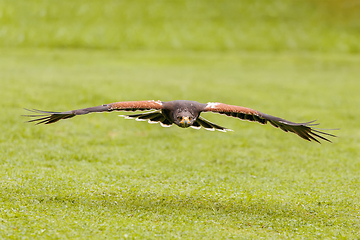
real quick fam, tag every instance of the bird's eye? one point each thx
(179, 118)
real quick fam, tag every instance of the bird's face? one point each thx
(184, 119)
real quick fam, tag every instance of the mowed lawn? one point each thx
(101, 176)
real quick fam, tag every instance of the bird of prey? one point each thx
(185, 114)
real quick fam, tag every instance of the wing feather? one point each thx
(303, 130)
(151, 117)
(47, 117)
(209, 125)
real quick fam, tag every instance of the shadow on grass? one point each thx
(143, 205)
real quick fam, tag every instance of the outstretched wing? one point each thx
(47, 117)
(304, 130)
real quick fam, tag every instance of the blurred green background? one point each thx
(216, 25)
(101, 177)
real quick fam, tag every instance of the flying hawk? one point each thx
(187, 114)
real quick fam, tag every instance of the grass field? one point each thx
(100, 176)
(227, 25)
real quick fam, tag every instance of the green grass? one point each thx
(103, 177)
(227, 25)
(99, 175)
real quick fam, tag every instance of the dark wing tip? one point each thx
(317, 133)
(306, 130)
(47, 117)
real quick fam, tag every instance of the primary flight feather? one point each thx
(185, 114)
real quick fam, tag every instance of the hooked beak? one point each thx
(185, 122)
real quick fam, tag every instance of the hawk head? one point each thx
(184, 118)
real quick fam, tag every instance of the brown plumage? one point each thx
(187, 114)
